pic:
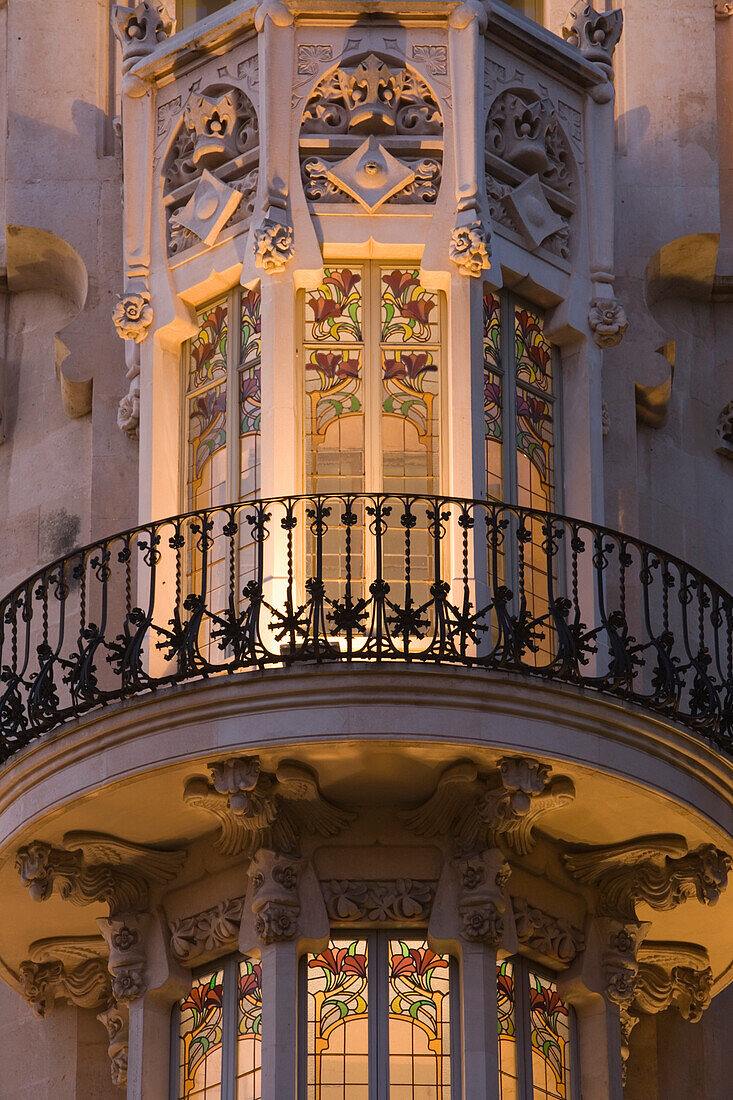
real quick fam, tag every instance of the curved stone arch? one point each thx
(209, 172)
(532, 177)
(355, 130)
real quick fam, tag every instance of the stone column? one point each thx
(723, 284)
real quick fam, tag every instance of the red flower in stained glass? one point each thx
(527, 323)
(533, 408)
(547, 1001)
(250, 387)
(409, 366)
(340, 961)
(492, 392)
(324, 309)
(419, 309)
(505, 985)
(344, 280)
(251, 307)
(252, 982)
(419, 961)
(540, 356)
(332, 365)
(203, 997)
(399, 282)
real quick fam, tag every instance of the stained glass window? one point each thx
(219, 1029)
(378, 1021)
(535, 1035)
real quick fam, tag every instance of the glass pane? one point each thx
(419, 1022)
(493, 383)
(550, 1037)
(249, 313)
(337, 1022)
(200, 1039)
(208, 359)
(249, 1030)
(506, 1005)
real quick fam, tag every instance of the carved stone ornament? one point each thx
(551, 937)
(674, 974)
(470, 248)
(477, 809)
(255, 808)
(607, 321)
(275, 897)
(657, 870)
(139, 29)
(724, 431)
(620, 945)
(213, 930)
(723, 9)
(96, 867)
(133, 316)
(273, 246)
(73, 969)
(596, 34)
(127, 938)
(482, 900)
(401, 900)
(211, 170)
(128, 413)
(117, 1024)
(394, 110)
(530, 177)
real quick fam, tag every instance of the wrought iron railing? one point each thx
(365, 577)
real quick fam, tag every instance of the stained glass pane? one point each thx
(506, 1004)
(419, 1022)
(550, 1038)
(493, 398)
(333, 311)
(200, 1039)
(207, 437)
(208, 359)
(410, 313)
(337, 1022)
(249, 313)
(249, 1030)
(533, 353)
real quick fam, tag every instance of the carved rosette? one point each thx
(139, 29)
(596, 34)
(126, 938)
(401, 900)
(550, 937)
(607, 321)
(213, 930)
(470, 248)
(620, 945)
(482, 900)
(275, 896)
(273, 246)
(133, 316)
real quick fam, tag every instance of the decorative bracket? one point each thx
(482, 900)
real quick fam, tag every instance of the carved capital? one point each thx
(214, 929)
(276, 11)
(619, 948)
(275, 897)
(470, 248)
(607, 321)
(482, 900)
(257, 809)
(401, 900)
(596, 34)
(551, 937)
(116, 1022)
(127, 937)
(478, 809)
(724, 431)
(273, 246)
(73, 969)
(133, 316)
(468, 12)
(657, 870)
(96, 867)
(139, 29)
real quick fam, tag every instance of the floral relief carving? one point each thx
(674, 974)
(620, 945)
(482, 900)
(477, 809)
(530, 177)
(371, 132)
(275, 898)
(311, 58)
(724, 431)
(255, 808)
(213, 929)
(139, 29)
(273, 246)
(470, 248)
(607, 321)
(211, 170)
(133, 316)
(402, 900)
(723, 9)
(657, 870)
(434, 58)
(552, 937)
(116, 1023)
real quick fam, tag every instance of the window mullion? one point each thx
(509, 407)
(373, 466)
(523, 1026)
(378, 1019)
(233, 340)
(229, 1030)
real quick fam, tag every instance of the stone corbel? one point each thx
(95, 867)
(479, 810)
(656, 870)
(273, 237)
(254, 808)
(132, 317)
(470, 245)
(73, 969)
(116, 1022)
(482, 901)
(615, 945)
(724, 431)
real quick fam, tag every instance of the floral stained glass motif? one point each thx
(337, 1022)
(550, 1039)
(200, 1042)
(419, 1022)
(334, 309)
(409, 312)
(507, 1020)
(493, 396)
(534, 425)
(407, 386)
(249, 1030)
(208, 360)
(250, 325)
(207, 436)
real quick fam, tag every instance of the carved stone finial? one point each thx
(596, 34)
(482, 900)
(275, 897)
(256, 808)
(133, 316)
(96, 867)
(551, 937)
(73, 969)
(724, 431)
(470, 248)
(657, 870)
(116, 1022)
(477, 809)
(139, 29)
(607, 321)
(213, 930)
(273, 246)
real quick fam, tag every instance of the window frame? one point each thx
(378, 1011)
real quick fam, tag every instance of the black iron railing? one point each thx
(365, 578)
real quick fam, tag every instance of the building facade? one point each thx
(366, 674)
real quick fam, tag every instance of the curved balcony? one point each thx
(365, 578)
